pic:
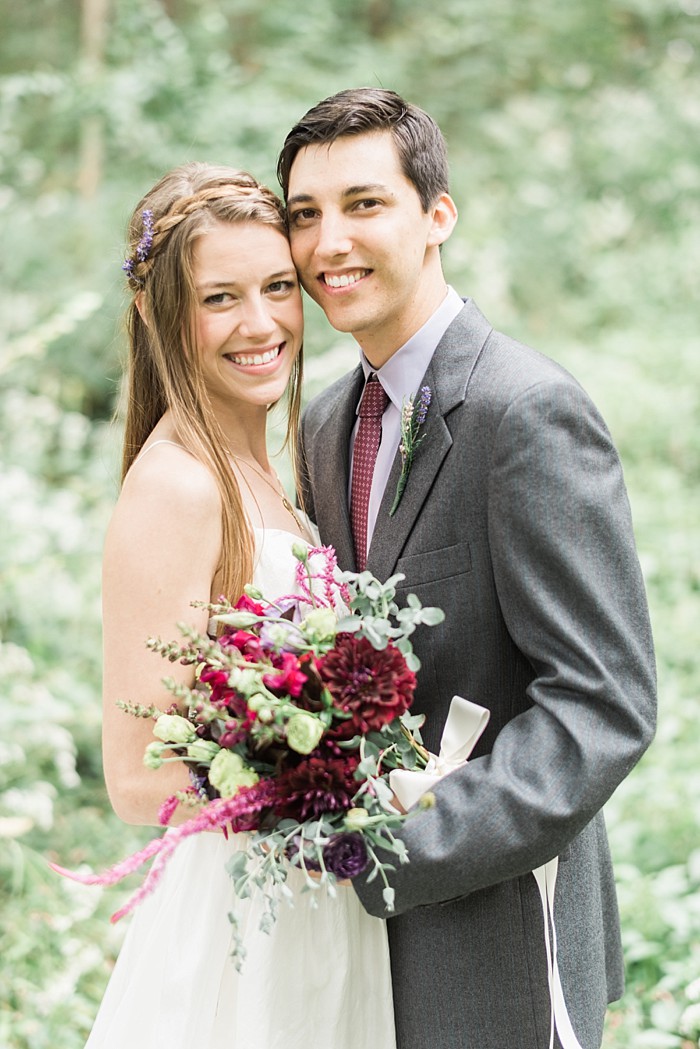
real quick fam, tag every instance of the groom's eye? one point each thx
(297, 218)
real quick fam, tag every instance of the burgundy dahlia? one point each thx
(373, 686)
(345, 855)
(315, 786)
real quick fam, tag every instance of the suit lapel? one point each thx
(331, 455)
(448, 377)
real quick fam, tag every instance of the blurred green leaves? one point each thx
(575, 154)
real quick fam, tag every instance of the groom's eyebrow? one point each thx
(367, 187)
(349, 191)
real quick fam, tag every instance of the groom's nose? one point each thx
(333, 236)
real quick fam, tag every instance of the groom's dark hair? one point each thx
(358, 111)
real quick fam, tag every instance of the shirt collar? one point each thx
(402, 373)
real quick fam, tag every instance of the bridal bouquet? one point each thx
(299, 712)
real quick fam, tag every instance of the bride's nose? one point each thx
(256, 320)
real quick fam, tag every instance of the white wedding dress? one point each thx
(319, 980)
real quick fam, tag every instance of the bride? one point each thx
(215, 329)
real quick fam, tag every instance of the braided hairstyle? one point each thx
(164, 370)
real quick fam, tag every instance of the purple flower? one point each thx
(423, 405)
(413, 415)
(144, 245)
(143, 248)
(345, 855)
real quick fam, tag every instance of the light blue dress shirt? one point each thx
(401, 377)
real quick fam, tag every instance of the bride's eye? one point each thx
(218, 299)
(281, 287)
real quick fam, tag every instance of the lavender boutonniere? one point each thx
(412, 418)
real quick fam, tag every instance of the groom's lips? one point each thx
(341, 281)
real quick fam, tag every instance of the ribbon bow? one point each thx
(465, 723)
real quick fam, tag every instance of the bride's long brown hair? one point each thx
(164, 370)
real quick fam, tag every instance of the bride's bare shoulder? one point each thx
(167, 471)
(169, 496)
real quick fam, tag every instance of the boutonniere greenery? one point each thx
(412, 418)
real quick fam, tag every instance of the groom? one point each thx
(515, 521)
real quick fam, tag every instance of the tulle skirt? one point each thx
(319, 980)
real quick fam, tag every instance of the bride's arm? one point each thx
(161, 553)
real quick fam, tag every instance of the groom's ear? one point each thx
(444, 216)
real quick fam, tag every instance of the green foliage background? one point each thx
(575, 148)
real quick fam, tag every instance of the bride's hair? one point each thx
(164, 369)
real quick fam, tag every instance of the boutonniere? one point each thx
(412, 418)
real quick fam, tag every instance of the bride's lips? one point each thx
(262, 360)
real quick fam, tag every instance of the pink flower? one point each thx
(242, 812)
(246, 604)
(286, 678)
(246, 643)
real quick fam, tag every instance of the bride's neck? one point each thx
(246, 438)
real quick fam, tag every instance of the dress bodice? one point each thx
(275, 564)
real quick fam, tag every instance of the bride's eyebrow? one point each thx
(216, 285)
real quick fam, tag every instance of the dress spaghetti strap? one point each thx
(161, 440)
(145, 451)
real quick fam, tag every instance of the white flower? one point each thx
(228, 773)
(172, 728)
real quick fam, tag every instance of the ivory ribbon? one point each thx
(465, 723)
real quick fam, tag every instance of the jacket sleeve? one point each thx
(304, 490)
(571, 594)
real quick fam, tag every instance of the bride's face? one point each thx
(248, 313)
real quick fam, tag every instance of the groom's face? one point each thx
(360, 239)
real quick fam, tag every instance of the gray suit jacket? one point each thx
(515, 521)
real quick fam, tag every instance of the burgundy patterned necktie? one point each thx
(369, 432)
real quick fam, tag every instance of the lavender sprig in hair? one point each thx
(412, 418)
(143, 248)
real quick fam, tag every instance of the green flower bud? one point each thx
(427, 800)
(228, 773)
(260, 705)
(203, 750)
(240, 619)
(304, 732)
(243, 679)
(321, 623)
(356, 819)
(301, 552)
(152, 758)
(172, 728)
